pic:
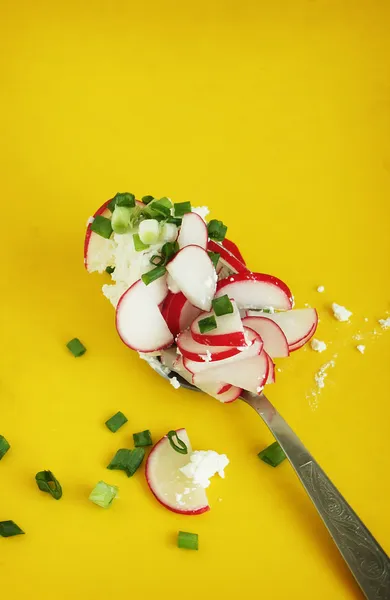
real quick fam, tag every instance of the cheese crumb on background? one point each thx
(361, 348)
(317, 345)
(174, 382)
(384, 323)
(340, 312)
(203, 465)
(320, 289)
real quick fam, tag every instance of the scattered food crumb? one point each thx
(319, 377)
(90, 220)
(279, 370)
(219, 499)
(340, 312)
(357, 337)
(384, 323)
(317, 345)
(361, 348)
(320, 289)
(174, 382)
(366, 319)
(307, 305)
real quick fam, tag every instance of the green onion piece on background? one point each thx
(125, 199)
(154, 274)
(48, 483)
(272, 455)
(207, 324)
(214, 257)
(157, 260)
(168, 250)
(217, 230)
(166, 202)
(116, 421)
(102, 226)
(143, 438)
(127, 460)
(4, 446)
(176, 443)
(103, 494)
(110, 270)
(147, 199)
(120, 221)
(222, 306)
(76, 347)
(138, 245)
(9, 529)
(175, 220)
(182, 208)
(188, 541)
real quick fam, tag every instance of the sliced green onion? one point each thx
(9, 529)
(157, 260)
(168, 232)
(166, 202)
(175, 220)
(188, 541)
(177, 444)
(48, 483)
(110, 270)
(102, 226)
(4, 446)
(168, 250)
(149, 231)
(103, 494)
(217, 230)
(116, 421)
(143, 438)
(158, 208)
(76, 347)
(266, 310)
(147, 199)
(127, 460)
(182, 208)
(138, 245)
(207, 324)
(214, 257)
(125, 199)
(120, 221)
(154, 274)
(222, 306)
(272, 455)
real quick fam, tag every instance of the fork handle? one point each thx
(367, 560)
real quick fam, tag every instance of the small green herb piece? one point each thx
(147, 199)
(188, 541)
(175, 220)
(176, 443)
(9, 529)
(222, 306)
(214, 257)
(125, 199)
(48, 483)
(217, 230)
(266, 310)
(157, 208)
(127, 460)
(116, 421)
(207, 324)
(182, 208)
(154, 274)
(4, 446)
(272, 455)
(143, 438)
(120, 221)
(76, 347)
(166, 202)
(103, 494)
(110, 270)
(102, 226)
(157, 260)
(138, 245)
(168, 250)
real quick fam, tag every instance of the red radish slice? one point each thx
(233, 249)
(179, 313)
(230, 395)
(304, 340)
(97, 249)
(158, 289)
(165, 305)
(271, 370)
(193, 231)
(168, 484)
(214, 389)
(227, 258)
(200, 352)
(250, 374)
(172, 285)
(226, 387)
(256, 290)
(229, 330)
(194, 273)
(139, 321)
(275, 342)
(297, 325)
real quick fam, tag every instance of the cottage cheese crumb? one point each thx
(174, 382)
(384, 323)
(319, 377)
(366, 319)
(361, 348)
(317, 345)
(340, 312)
(320, 289)
(203, 465)
(90, 220)
(202, 211)
(208, 357)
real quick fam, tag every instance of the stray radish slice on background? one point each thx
(200, 352)
(139, 322)
(297, 325)
(227, 258)
(229, 330)
(179, 313)
(256, 290)
(168, 484)
(250, 374)
(271, 370)
(193, 231)
(275, 342)
(98, 250)
(194, 273)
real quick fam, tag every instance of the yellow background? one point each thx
(276, 115)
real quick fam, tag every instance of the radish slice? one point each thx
(193, 231)
(297, 325)
(172, 285)
(226, 396)
(304, 340)
(271, 370)
(229, 331)
(194, 273)
(168, 484)
(250, 374)
(230, 395)
(179, 313)
(98, 251)
(200, 352)
(256, 290)
(139, 321)
(233, 249)
(158, 289)
(275, 342)
(227, 258)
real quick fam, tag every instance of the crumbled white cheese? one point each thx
(203, 465)
(320, 289)
(208, 357)
(90, 220)
(358, 336)
(361, 348)
(317, 345)
(319, 377)
(174, 382)
(384, 323)
(340, 312)
(202, 211)
(366, 319)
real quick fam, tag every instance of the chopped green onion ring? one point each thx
(9, 529)
(102, 226)
(103, 494)
(272, 455)
(127, 460)
(207, 324)
(4, 446)
(182, 208)
(138, 244)
(217, 230)
(154, 274)
(142, 438)
(214, 257)
(222, 306)
(48, 483)
(177, 444)
(76, 347)
(116, 421)
(188, 541)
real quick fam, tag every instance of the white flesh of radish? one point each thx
(193, 231)
(295, 324)
(275, 342)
